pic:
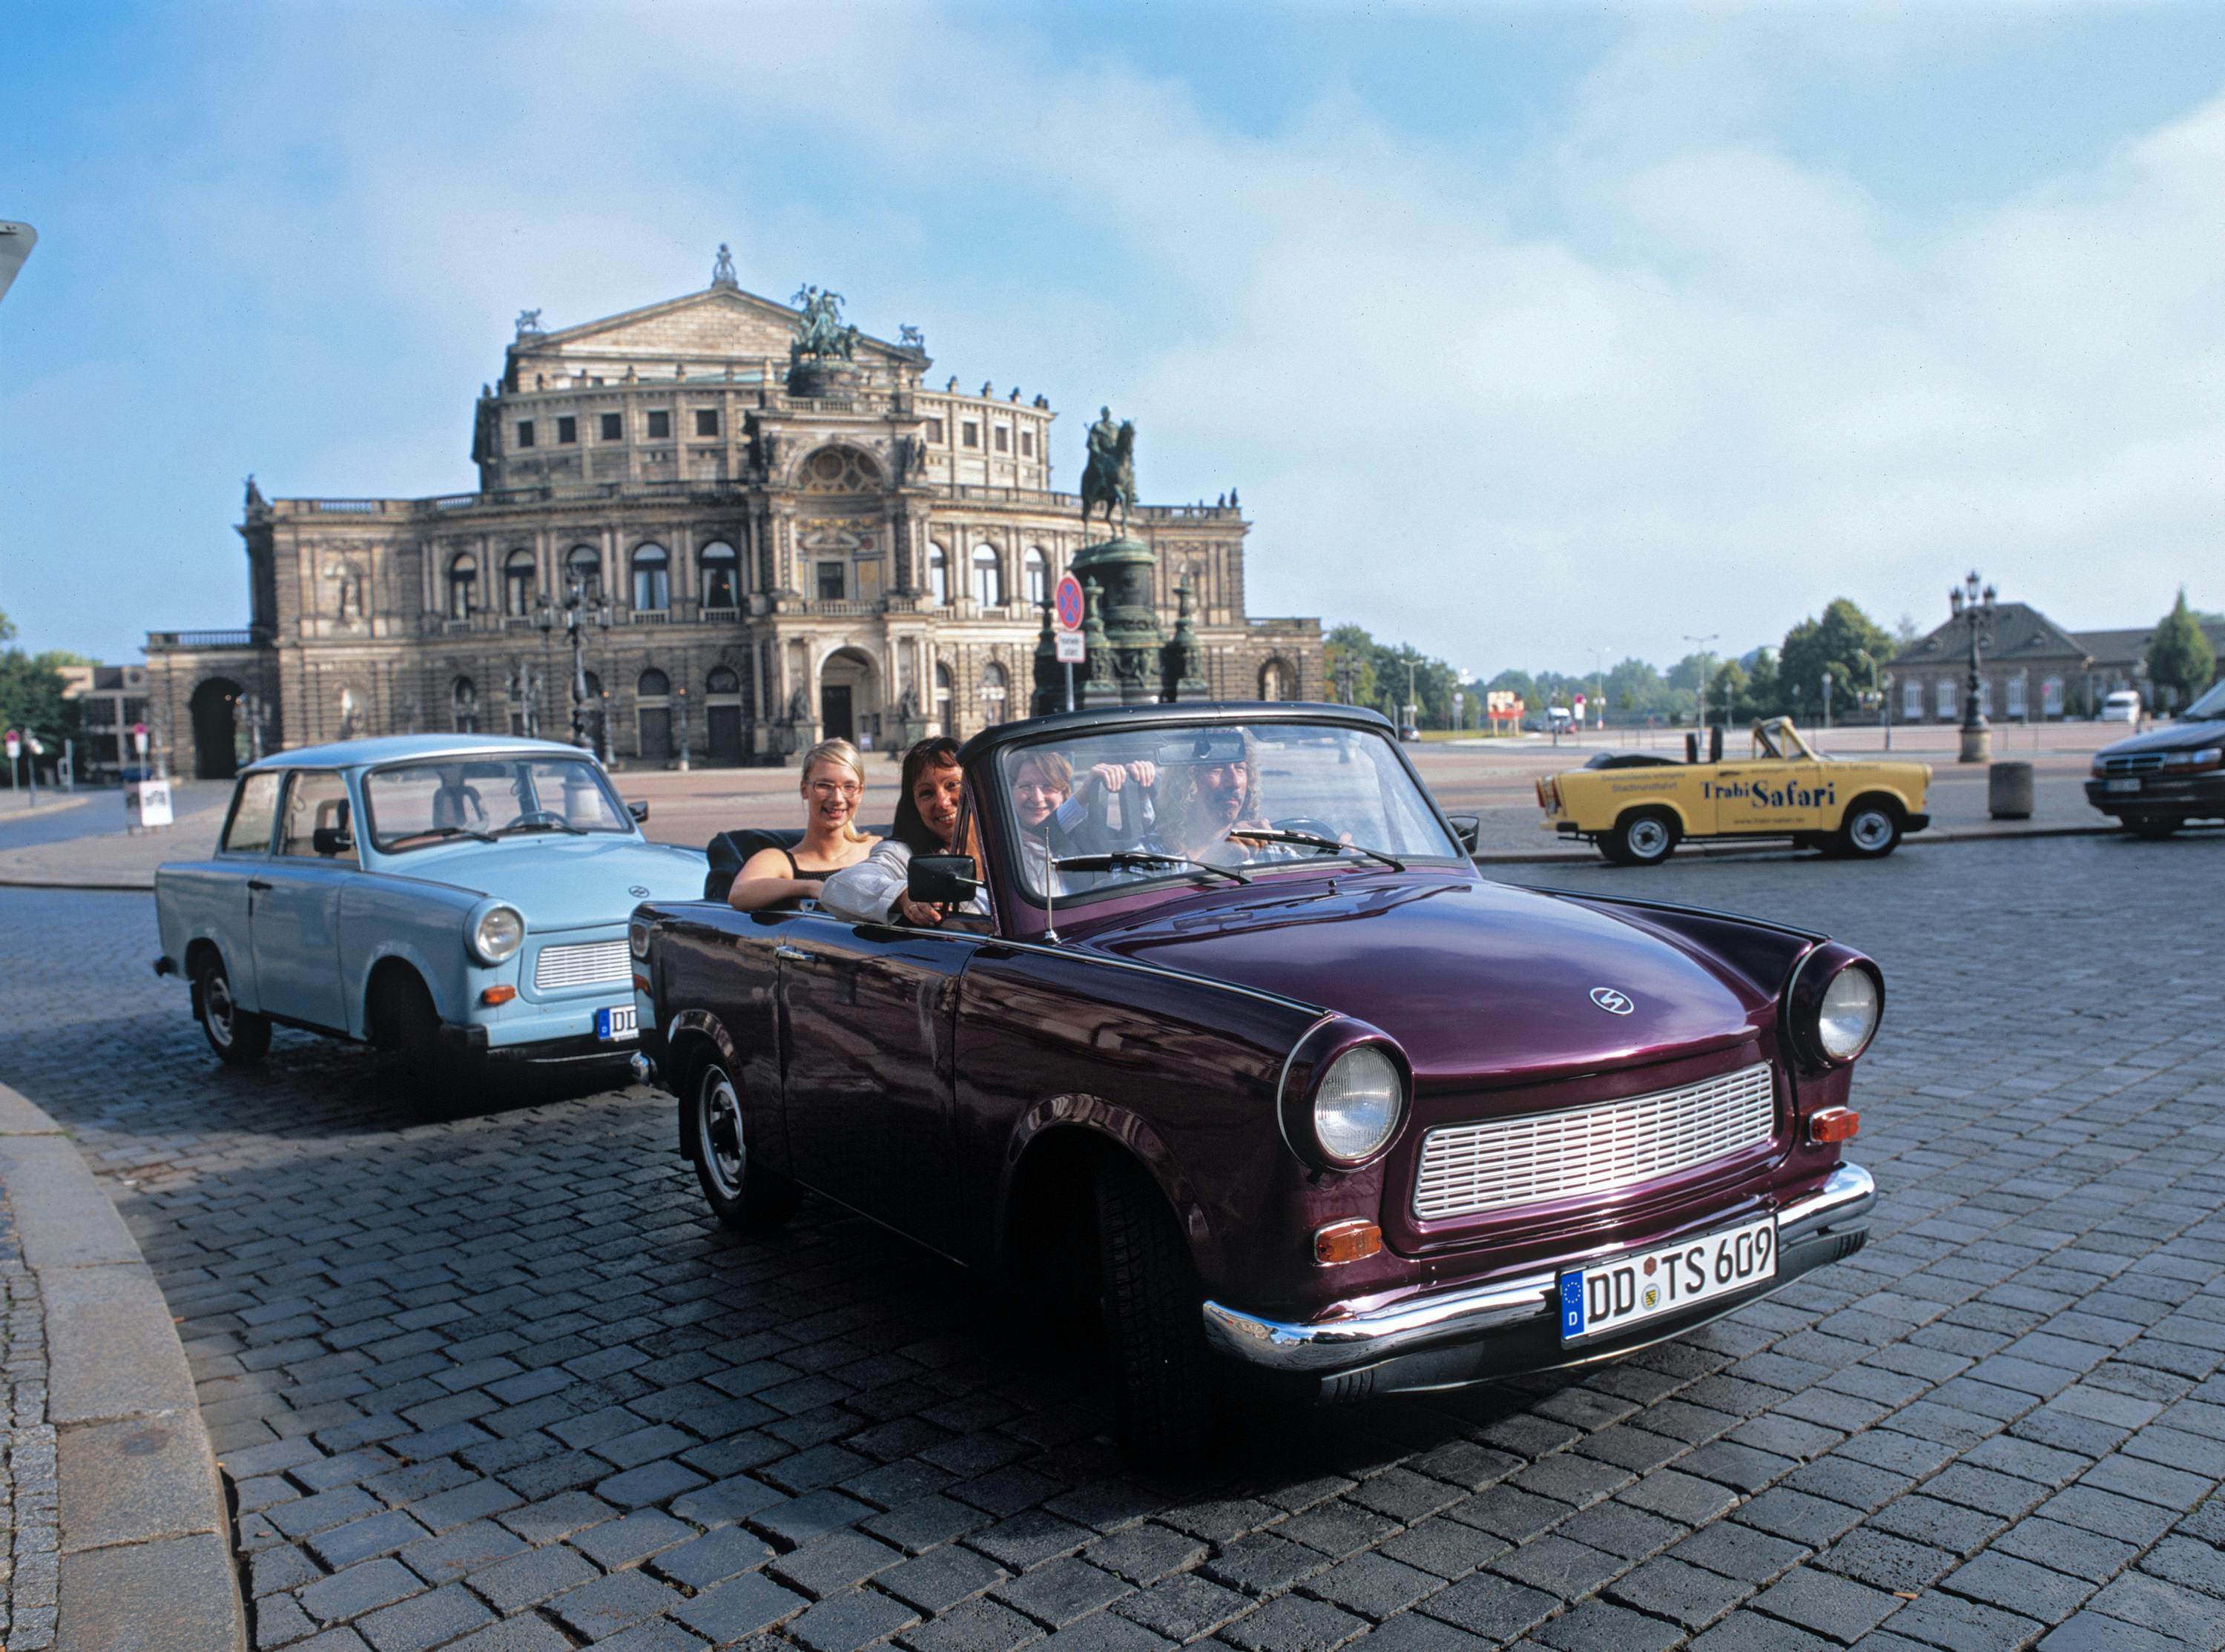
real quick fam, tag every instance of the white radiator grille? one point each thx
(1470, 1168)
(584, 964)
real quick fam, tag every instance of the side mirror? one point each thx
(1467, 828)
(639, 809)
(942, 880)
(330, 841)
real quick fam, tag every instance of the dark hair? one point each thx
(938, 752)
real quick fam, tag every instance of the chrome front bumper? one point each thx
(1840, 1207)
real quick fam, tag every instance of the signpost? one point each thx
(1072, 650)
(15, 748)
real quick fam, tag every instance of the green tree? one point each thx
(7, 627)
(2179, 655)
(1840, 643)
(1350, 649)
(1763, 696)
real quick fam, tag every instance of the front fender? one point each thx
(450, 994)
(690, 1024)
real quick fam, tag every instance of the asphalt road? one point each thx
(496, 1381)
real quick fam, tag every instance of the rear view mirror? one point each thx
(639, 809)
(1207, 746)
(1469, 828)
(942, 880)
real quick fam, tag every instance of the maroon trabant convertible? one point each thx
(1249, 1059)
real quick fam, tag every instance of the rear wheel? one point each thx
(240, 1037)
(1870, 830)
(1154, 1317)
(741, 1193)
(2154, 827)
(1642, 838)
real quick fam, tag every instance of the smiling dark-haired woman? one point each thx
(873, 891)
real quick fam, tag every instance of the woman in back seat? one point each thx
(833, 785)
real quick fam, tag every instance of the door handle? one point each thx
(258, 884)
(793, 954)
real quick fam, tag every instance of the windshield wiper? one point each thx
(1121, 860)
(1314, 839)
(444, 832)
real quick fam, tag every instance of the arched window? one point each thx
(652, 684)
(583, 566)
(988, 577)
(942, 699)
(992, 692)
(463, 582)
(1274, 680)
(938, 574)
(517, 584)
(464, 702)
(652, 579)
(722, 575)
(1038, 576)
(722, 681)
(594, 686)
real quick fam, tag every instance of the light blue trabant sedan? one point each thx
(445, 898)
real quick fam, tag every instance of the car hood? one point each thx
(561, 882)
(2170, 736)
(1481, 983)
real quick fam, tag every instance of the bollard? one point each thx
(2008, 791)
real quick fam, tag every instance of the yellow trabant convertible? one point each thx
(1637, 807)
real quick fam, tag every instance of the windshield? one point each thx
(416, 805)
(2211, 706)
(1175, 805)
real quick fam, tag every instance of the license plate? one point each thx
(2132, 785)
(1609, 1295)
(616, 1024)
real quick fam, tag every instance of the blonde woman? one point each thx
(834, 786)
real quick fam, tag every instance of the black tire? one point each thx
(1642, 837)
(240, 1037)
(405, 1028)
(741, 1193)
(1870, 829)
(2154, 827)
(1154, 1320)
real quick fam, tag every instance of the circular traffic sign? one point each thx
(1069, 604)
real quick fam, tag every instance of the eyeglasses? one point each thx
(838, 788)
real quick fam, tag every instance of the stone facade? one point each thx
(869, 559)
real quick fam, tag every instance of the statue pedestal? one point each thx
(824, 378)
(1977, 743)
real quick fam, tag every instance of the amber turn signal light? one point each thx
(498, 995)
(1833, 1124)
(1341, 1242)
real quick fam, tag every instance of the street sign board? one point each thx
(147, 804)
(1071, 649)
(1069, 606)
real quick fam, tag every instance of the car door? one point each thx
(226, 904)
(867, 1016)
(1774, 790)
(296, 915)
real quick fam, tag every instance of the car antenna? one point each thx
(1050, 889)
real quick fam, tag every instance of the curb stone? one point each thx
(146, 1540)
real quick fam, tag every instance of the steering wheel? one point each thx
(1305, 823)
(540, 817)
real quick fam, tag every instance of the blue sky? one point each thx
(1525, 330)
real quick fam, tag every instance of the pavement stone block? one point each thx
(424, 1620)
(973, 1626)
(611, 1603)
(1293, 1624)
(359, 1590)
(739, 1607)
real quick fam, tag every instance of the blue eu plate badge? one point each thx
(1572, 1305)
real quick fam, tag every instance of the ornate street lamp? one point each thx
(1974, 607)
(580, 610)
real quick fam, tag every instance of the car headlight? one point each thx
(1848, 1015)
(637, 938)
(1343, 1094)
(1833, 1005)
(496, 932)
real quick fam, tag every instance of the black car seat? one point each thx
(730, 852)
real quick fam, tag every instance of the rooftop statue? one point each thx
(1110, 478)
(722, 269)
(821, 333)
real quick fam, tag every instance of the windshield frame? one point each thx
(415, 841)
(987, 769)
(2212, 698)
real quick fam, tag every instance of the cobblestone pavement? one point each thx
(29, 1523)
(496, 1380)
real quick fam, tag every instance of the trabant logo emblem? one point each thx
(639, 891)
(1615, 1003)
